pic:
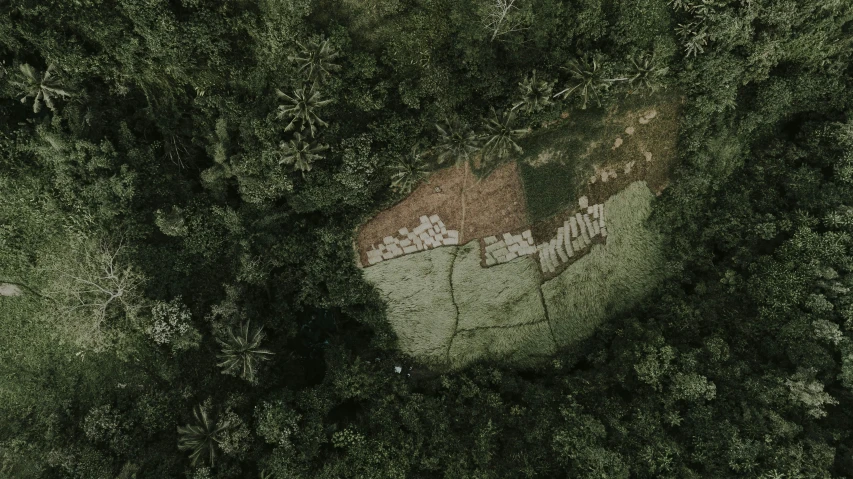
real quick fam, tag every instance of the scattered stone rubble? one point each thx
(430, 233)
(508, 247)
(575, 235)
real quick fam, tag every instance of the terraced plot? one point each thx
(449, 310)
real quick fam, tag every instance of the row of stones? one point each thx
(508, 247)
(430, 233)
(575, 234)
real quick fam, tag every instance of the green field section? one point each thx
(447, 309)
(421, 309)
(611, 277)
(556, 163)
(518, 345)
(503, 295)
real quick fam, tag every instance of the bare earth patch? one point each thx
(491, 206)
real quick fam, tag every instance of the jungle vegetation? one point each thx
(180, 181)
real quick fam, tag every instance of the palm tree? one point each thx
(315, 60)
(41, 87)
(202, 437)
(535, 94)
(300, 153)
(301, 108)
(587, 79)
(645, 72)
(409, 171)
(241, 352)
(500, 135)
(457, 141)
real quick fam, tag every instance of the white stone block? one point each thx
(583, 202)
(405, 242)
(387, 255)
(510, 257)
(527, 235)
(517, 239)
(513, 248)
(489, 240)
(567, 245)
(582, 228)
(452, 234)
(374, 260)
(424, 220)
(450, 241)
(590, 230)
(601, 216)
(441, 224)
(561, 252)
(421, 228)
(573, 224)
(410, 249)
(495, 246)
(424, 237)
(434, 219)
(542, 262)
(530, 241)
(507, 238)
(443, 230)
(436, 229)
(404, 231)
(491, 262)
(388, 240)
(439, 238)
(595, 211)
(500, 252)
(603, 232)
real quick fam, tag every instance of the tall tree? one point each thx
(499, 135)
(457, 141)
(301, 108)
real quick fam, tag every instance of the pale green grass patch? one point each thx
(503, 295)
(520, 345)
(416, 288)
(610, 278)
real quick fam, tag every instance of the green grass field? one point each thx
(609, 278)
(448, 310)
(416, 288)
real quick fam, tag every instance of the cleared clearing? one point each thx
(449, 310)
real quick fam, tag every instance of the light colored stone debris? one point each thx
(388, 240)
(583, 202)
(573, 222)
(450, 241)
(629, 130)
(434, 219)
(527, 235)
(588, 223)
(410, 249)
(452, 233)
(489, 240)
(404, 231)
(510, 257)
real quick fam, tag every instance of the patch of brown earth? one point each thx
(490, 206)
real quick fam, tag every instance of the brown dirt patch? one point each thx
(491, 206)
(657, 136)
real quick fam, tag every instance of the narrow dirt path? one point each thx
(462, 195)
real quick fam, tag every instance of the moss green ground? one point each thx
(448, 310)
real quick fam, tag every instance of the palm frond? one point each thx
(241, 352)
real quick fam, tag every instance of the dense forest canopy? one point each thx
(180, 181)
